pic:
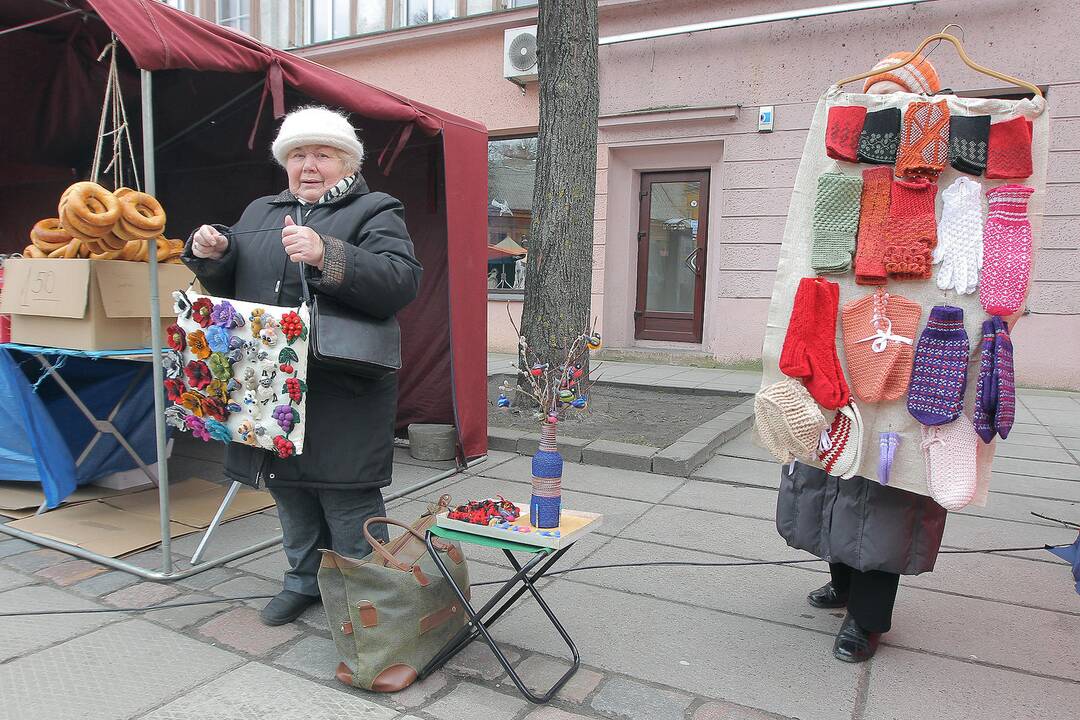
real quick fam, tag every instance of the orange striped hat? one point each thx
(918, 76)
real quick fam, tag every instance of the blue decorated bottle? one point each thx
(545, 506)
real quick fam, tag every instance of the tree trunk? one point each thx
(558, 285)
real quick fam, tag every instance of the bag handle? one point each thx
(305, 293)
(379, 549)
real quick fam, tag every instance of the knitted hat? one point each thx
(918, 76)
(840, 450)
(950, 452)
(316, 126)
(879, 332)
(788, 421)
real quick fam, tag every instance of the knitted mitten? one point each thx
(969, 137)
(809, 351)
(880, 137)
(910, 231)
(840, 451)
(879, 331)
(985, 395)
(950, 452)
(924, 140)
(843, 130)
(959, 235)
(939, 373)
(887, 442)
(1006, 250)
(873, 211)
(836, 222)
(1004, 380)
(1009, 152)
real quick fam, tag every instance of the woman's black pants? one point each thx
(871, 594)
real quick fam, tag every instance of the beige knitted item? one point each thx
(951, 452)
(788, 422)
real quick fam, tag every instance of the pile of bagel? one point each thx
(102, 225)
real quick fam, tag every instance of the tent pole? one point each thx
(155, 329)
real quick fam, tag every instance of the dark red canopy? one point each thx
(217, 95)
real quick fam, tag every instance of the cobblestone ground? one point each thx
(981, 637)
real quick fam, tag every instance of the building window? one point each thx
(235, 14)
(274, 25)
(511, 176)
(422, 12)
(329, 19)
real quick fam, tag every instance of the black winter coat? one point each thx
(369, 265)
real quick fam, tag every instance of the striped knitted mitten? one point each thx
(843, 130)
(939, 374)
(924, 140)
(1007, 248)
(1009, 152)
(880, 137)
(836, 222)
(873, 212)
(995, 401)
(809, 351)
(960, 249)
(969, 137)
(911, 230)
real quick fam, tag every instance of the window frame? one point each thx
(502, 294)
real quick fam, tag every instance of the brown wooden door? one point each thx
(673, 232)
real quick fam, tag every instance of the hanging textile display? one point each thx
(906, 259)
(236, 372)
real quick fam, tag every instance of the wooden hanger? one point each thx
(963, 56)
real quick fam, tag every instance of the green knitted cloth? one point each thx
(836, 222)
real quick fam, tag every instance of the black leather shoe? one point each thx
(286, 606)
(827, 597)
(853, 644)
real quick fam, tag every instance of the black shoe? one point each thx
(853, 644)
(826, 596)
(286, 606)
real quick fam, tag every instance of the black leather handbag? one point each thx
(348, 340)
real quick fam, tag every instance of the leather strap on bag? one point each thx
(379, 549)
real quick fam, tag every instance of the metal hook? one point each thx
(943, 31)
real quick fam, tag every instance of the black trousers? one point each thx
(314, 519)
(871, 595)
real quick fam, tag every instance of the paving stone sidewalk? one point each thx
(981, 637)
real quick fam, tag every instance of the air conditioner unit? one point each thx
(519, 55)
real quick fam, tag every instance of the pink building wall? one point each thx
(694, 101)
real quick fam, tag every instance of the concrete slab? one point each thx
(1056, 418)
(271, 565)
(25, 634)
(1008, 484)
(540, 673)
(1033, 452)
(1070, 443)
(971, 532)
(680, 458)
(904, 685)
(1049, 402)
(241, 629)
(494, 457)
(1037, 468)
(1017, 507)
(313, 656)
(247, 585)
(624, 456)
(181, 617)
(1031, 439)
(743, 446)
(9, 580)
(504, 439)
(472, 701)
(732, 499)
(740, 471)
(259, 692)
(231, 536)
(115, 672)
(637, 701)
(105, 583)
(699, 651)
(694, 529)
(598, 480)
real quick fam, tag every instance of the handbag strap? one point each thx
(379, 549)
(305, 293)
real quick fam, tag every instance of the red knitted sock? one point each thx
(809, 351)
(843, 131)
(1009, 152)
(873, 212)
(910, 231)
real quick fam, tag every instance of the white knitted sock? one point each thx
(959, 248)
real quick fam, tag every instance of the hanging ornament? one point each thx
(504, 401)
(580, 402)
(593, 342)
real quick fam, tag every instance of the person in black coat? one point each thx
(353, 245)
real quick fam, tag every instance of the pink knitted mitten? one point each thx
(1007, 249)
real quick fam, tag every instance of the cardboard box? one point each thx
(85, 304)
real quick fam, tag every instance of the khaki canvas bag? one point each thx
(391, 612)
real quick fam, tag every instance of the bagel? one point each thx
(33, 252)
(131, 250)
(112, 242)
(143, 254)
(92, 246)
(48, 235)
(141, 211)
(108, 255)
(78, 198)
(76, 226)
(57, 253)
(73, 249)
(130, 232)
(84, 251)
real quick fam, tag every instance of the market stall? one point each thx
(206, 126)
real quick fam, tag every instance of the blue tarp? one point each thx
(43, 432)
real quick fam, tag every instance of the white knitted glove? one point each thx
(959, 237)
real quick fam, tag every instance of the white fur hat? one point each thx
(316, 126)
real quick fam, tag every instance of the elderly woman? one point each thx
(869, 534)
(353, 246)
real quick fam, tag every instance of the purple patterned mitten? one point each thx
(985, 396)
(939, 375)
(1005, 410)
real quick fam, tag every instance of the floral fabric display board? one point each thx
(235, 372)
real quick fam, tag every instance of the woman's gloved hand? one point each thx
(208, 243)
(302, 244)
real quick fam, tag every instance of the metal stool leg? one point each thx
(215, 522)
